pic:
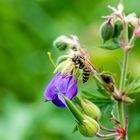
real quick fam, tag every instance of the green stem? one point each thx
(121, 113)
(124, 72)
(123, 77)
(98, 80)
(122, 87)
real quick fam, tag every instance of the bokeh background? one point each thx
(27, 30)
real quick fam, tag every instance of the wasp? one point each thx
(79, 62)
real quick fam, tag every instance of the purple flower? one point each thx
(61, 85)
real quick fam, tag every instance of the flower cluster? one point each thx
(116, 24)
(68, 71)
(73, 66)
(117, 31)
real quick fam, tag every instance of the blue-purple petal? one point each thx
(72, 89)
(61, 85)
(59, 101)
(51, 91)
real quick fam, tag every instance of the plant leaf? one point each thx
(134, 86)
(107, 109)
(102, 91)
(97, 95)
(128, 78)
(109, 46)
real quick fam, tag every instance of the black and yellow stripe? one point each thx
(78, 61)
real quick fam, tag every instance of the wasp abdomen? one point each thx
(78, 61)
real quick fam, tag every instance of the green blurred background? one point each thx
(27, 30)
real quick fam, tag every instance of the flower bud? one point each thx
(60, 43)
(74, 110)
(63, 42)
(89, 127)
(89, 108)
(132, 19)
(106, 31)
(118, 27)
(137, 32)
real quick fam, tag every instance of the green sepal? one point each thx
(75, 129)
(67, 68)
(74, 110)
(61, 59)
(60, 67)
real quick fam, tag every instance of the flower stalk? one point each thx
(106, 129)
(107, 135)
(124, 72)
(126, 46)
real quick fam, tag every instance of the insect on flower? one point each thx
(61, 85)
(78, 61)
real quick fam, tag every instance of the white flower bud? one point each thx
(132, 18)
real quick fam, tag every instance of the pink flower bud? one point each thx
(137, 32)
